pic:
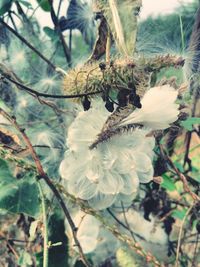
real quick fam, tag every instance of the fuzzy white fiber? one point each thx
(158, 109)
(112, 171)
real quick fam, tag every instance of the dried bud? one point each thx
(122, 97)
(135, 100)
(102, 66)
(109, 105)
(86, 103)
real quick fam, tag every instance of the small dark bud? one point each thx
(102, 66)
(122, 97)
(109, 106)
(132, 97)
(135, 100)
(86, 103)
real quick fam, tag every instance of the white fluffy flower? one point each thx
(158, 109)
(88, 231)
(112, 171)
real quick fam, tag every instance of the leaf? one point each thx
(188, 124)
(18, 196)
(168, 183)
(5, 6)
(44, 4)
(179, 214)
(121, 16)
(50, 32)
(25, 259)
(25, 3)
(125, 258)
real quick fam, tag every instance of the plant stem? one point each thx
(182, 34)
(38, 94)
(45, 226)
(19, 36)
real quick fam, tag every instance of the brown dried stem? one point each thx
(43, 175)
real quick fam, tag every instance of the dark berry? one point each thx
(109, 106)
(86, 103)
(122, 97)
(136, 102)
(102, 66)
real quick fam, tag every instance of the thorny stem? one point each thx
(19, 36)
(45, 226)
(43, 175)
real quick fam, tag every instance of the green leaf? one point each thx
(188, 124)
(18, 196)
(168, 183)
(50, 32)
(44, 4)
(5, 6)
(179, 214)
(25, 3)
(25, 259)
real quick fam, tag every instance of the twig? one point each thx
(59, 7)
(188, 137)
(113, 229)
(38, 94)
(58, 30)
(45, 226)
(195, 250)
(19, 36)
(88, 210)
(12, 20)
(43, 175)
(180, 234)
(180, 175)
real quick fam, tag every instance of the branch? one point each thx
(57, 28)
(111, 228)
(45, 226)
(38, 94)
(180, 234)
(19, 36)
(88, 210)
(43, 175)
(180, 175)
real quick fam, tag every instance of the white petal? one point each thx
(82, 188)
(131, 183)
(111, 183)
(68, 167)
(144, 167)
(158, 109)
(88, 244)
(86, 127)
(102, 201)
